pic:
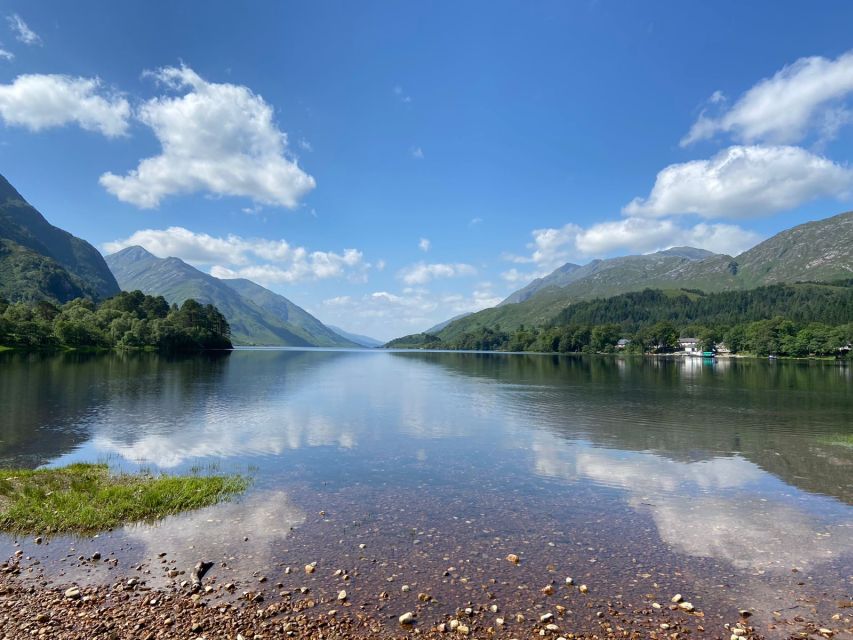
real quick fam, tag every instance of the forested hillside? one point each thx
(793, 320)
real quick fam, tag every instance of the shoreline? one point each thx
(213, 608)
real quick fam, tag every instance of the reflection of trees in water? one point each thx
(775, 414)
(50, 400)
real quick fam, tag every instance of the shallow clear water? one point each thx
(730, 482)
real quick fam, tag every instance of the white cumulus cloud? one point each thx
(783, 108)
(422, 272)
(743, 181)
(38, 101)
(22, 31)
(424, 244)
(216, 138)
(264, 261)
(553, 247)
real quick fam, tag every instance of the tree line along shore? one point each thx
(802, 320)
(129, 320)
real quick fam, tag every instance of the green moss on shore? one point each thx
(84, 498)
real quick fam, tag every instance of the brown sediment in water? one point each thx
(391, 560)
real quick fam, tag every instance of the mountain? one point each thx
(817, 251)
(438, 327)
(39, 261)
(560, 277)
(296, 318)
(265, 318)
(364, 341)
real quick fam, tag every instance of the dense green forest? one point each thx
(806, 319)
(130, 320)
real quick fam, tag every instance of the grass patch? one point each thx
(84, 498)
(841, 439)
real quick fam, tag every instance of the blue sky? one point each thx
(389, 165)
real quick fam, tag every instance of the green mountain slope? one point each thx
(39, 261)
(299, 321)
(815, 251)
(175, 280)
(818, 251)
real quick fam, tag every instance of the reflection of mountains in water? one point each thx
(785, 417)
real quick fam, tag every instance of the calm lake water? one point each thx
(729, 482)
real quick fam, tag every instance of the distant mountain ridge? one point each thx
(39, 261)
(257, 315)
(815, 251)
(364, 341)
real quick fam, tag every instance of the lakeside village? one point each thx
(694, 348)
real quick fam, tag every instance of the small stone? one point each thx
(825, 632)
(656, 605)
(493, 608)
(38, 540)
(500, 622)
(441, 628)
(737, 631)
(309, 568)
(677, 598)
(570, 581)
(664, 626)
(548, 590)
(362, 546)
(407, 618)
(342, 595)
(745, 613)
(546, 617)
(405, 588)
(552, 627)
(424, 597)
(96, 555)
(462, 630)
(519, 617)
(514, 559)
(72, 592)
(686, 606)
(196, 627)
(583, 588)
(454, 625)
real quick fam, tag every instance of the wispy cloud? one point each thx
(806, 95)
(22, 32)
(423, 272)
(402, 96)
(424, 244)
